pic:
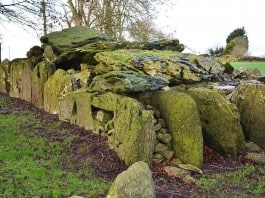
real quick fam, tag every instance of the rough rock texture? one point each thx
(35, 51)
(55, 89)
(4, 76)
(132, 135)
(40, 75)
(71, 47)
(182, 119)
(174, 66)
(176, 172)
(16, 69)
(220, 120)
(207, 64)
(247, 73)
(258, 158)
(76, 108)
(20, 77)
(93, 65)
(250, 100)
(127, 81)
(73, 38)
(135, 182)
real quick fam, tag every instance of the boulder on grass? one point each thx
(136, 181)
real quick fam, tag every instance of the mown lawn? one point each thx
(252, 65)
(32, 165)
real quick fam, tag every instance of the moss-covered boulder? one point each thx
(174, 66)
(81, 79)
(20, 77)
(136, 181)
(49, 54)
(35, 51)
(132, 134)
(55, 89)
(250, 100)
(25, 85)
(4, 76)
(207, 64)
(72, 38)
(70, 47)
(16, 69)
(127, 81)
(183, 122)
(220, 120)
(76, 108)
(40, 75)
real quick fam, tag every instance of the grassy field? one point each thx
(32, 165)
(252, 65)
(35, 161)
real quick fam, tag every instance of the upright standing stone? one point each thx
(220, 120)
(250, 100)
(55, 89)
(183, 121)
(40, 75)
(4, 76)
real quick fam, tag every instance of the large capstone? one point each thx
(220, 120)
(174, 66)
(72, 38)
(136, 181)
(183, 122)
(250, 100)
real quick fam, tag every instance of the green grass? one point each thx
(248, 181)
(36, 166)
(252, 65)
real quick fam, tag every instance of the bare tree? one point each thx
(0, 48)
(18, 12)
(145, 30)
(112, 17)
(28, 12)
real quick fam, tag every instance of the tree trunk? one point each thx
(44, 17)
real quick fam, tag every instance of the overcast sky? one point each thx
(198, 24)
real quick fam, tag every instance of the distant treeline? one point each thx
(252, 58)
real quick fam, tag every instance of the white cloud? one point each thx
(206, 23)
(16, 41)
(199, 24)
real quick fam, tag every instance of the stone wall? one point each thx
(134, 99)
